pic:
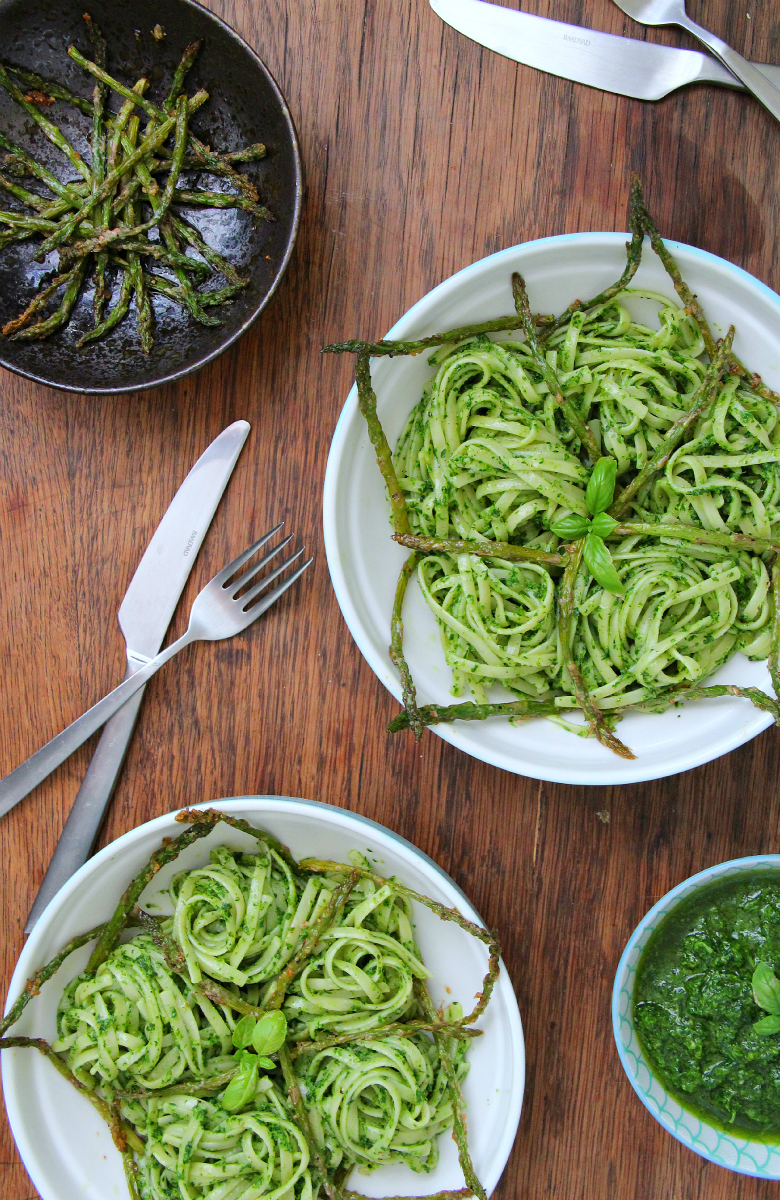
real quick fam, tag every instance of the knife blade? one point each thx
(643, 70)
(144, 616)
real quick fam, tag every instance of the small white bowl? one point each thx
(736, 1152)
(364, 562)
(67, 1148)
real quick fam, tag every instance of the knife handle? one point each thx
(85, 817)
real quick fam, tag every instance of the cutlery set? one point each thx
(227, 605)
(144, 616)
(672, 12)
(605, 61)
(220, 611)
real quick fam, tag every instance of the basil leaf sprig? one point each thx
(265, 1035)
(270, 1032)
(598, 497)
(243, 1085)
(766, 993)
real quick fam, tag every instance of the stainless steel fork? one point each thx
(220, 610)
(672, 12)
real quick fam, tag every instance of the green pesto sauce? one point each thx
(693, 1004)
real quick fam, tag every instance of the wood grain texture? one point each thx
(422, 152)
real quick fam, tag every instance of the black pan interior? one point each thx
(244, 107)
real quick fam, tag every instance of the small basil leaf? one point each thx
(267, 1064)
(603, 524)
(601, 485)
(599, 562)
(241, 1088)
(270, 1032)
(766, 989)
(242, 1034)
(766, 1026)
(571, 527)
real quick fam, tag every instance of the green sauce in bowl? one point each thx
(694, 1009)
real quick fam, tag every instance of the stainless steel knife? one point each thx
(144, 616)
(629, 67)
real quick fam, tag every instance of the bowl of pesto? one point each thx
(696, 1013)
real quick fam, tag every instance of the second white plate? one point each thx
(66, 1146)
(364, 562)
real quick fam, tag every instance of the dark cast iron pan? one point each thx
(245, 106)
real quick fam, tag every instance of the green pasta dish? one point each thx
(269, 1036)
(593, 511)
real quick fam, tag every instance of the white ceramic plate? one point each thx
(364, 563)
(66, 1147)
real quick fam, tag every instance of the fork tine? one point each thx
(245, 600)
(273, 596)
(237, 585)
(232, 567)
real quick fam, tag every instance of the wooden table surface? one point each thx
(422, 152)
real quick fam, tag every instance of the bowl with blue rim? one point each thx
(734, 1149)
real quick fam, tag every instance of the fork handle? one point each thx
(86, 814)
(754, 80)
(21, 781)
